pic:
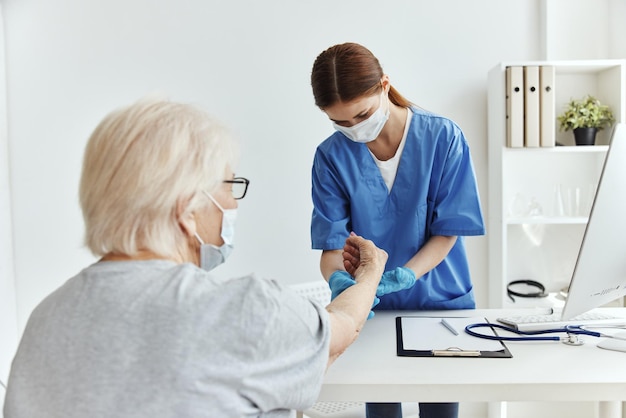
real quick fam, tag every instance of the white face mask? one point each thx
(369, 129)
(211, 255)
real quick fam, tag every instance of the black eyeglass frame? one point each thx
(240, 180)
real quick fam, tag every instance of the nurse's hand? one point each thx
(397, 279)
(339, 281)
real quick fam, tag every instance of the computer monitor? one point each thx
(599, 276)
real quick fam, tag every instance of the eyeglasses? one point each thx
(239, 187)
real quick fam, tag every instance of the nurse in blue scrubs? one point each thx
(401, 177)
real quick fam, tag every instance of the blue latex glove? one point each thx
(341, 280)
(338, 282)
(376, 302)
(394, 280)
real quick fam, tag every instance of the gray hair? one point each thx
(139, 163)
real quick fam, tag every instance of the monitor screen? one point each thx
(599, 275)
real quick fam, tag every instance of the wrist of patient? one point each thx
(369, 278)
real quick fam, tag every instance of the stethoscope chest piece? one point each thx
(573, 339)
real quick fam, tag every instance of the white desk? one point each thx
(370, 370)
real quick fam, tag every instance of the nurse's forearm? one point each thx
(430, 255)
(331, 261)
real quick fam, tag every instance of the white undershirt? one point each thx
(389, 168)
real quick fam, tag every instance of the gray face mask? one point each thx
(212, 256)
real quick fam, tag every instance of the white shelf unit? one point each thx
(558, 183)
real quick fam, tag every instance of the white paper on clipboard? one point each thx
(429, 333)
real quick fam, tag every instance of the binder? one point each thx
(418, 336)
(514, 107)
(531, 106)
(547, 119)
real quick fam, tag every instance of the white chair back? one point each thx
(317, 290)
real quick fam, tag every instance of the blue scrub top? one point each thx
(434, 193)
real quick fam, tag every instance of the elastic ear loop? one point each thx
(213, 200)
(198, 238)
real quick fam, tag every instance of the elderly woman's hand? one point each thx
(362, 258)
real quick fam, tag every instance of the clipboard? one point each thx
(419, 336)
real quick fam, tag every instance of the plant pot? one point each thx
(585, 136)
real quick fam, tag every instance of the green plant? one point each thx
(585, 113)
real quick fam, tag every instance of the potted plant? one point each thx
(585, 117)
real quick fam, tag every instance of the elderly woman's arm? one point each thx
(349, 310)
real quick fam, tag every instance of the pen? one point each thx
(450, 327)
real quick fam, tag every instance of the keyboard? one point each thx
(550, 321)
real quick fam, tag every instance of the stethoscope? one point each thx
(572, 337)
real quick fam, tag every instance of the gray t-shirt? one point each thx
(159, 339)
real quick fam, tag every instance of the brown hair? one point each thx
(346, 72)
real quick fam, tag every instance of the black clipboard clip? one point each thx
(455, 352)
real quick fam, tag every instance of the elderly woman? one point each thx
(146, 331)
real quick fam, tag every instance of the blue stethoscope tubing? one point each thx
(530, 335)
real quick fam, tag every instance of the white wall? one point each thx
(617, 29)
(576, 30)
(583, 29)
(8, 318)
(248, 62)
(69, 62)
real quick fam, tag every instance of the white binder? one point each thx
(547, 118)
(514, 107)
(531, 106)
